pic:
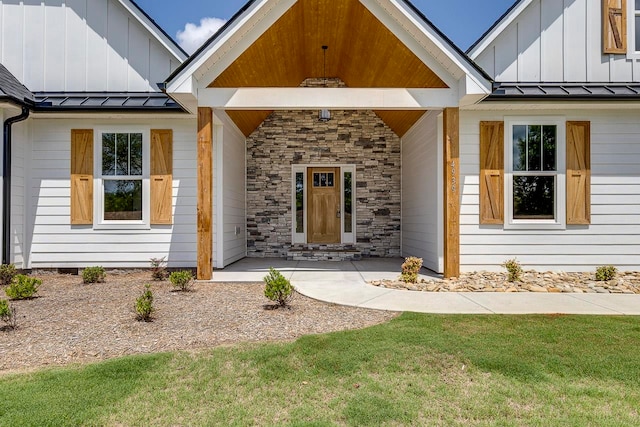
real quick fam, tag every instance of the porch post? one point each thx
(205, 194)
(452, 188)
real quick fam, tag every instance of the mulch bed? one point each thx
(70, 322)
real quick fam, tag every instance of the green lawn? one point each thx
(415, 370)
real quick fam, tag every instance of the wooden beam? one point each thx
(205, 194)
(452, 189)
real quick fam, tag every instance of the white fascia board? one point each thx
(498, 29)
(246, 23)
(330, 98)
(470, 92)
(414, 25)
(153, 29)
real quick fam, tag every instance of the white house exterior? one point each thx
(527, 146)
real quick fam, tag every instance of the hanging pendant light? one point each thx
(324, 115)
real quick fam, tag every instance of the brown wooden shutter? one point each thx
(578, 172)
(614, 26)
(491, 172)
(81, 176)
(161, 176)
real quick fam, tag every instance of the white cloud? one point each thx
(193, 36)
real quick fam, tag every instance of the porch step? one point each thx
(323, 253)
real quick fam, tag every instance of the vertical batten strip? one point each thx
(205, 194)
(451, 126)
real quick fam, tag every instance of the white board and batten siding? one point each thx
(613, 237)
(556, 41)
(56, 243)
(81, 45)
(421, 192)
(230, 239)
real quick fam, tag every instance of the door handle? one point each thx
(338, 214)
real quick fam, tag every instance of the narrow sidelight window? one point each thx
(299, 202)
(348, 202)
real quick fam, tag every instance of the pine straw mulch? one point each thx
(70, 322)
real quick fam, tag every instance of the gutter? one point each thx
(6, 183)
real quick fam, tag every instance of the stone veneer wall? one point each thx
(286, 138)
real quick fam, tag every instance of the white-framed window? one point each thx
(633, 28)
(121, 187)
(535, 192)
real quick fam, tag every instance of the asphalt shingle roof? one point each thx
(10, 87)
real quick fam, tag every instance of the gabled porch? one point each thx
(386, 77)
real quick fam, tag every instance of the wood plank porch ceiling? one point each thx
(362, 52)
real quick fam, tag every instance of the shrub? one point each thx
(93, 275)
(23, 287)
(605, 273)
(7, 273)
(159, 268)
(8, 314)
(278, 288)
(410, 269)
(514, 269)
(144, 305)
(181, 280)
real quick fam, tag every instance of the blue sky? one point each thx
(463, 21)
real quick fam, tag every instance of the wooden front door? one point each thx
(323, 205)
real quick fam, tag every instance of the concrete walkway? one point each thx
(345, 283)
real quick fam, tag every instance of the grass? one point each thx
(414, 370)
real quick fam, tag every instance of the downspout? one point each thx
(6, 183)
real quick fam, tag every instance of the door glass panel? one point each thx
(323, 180)
(316, 180)
(348, 200)
(330, 180)
(299, 202)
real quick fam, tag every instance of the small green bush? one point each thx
(159, 268)
(605, 273)
(144, 305)
(278, 288)
(514, 269)
(8, 314)
(410, 269)
(23, 287)
(93, 275)
(7, 273)
(182, 280)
